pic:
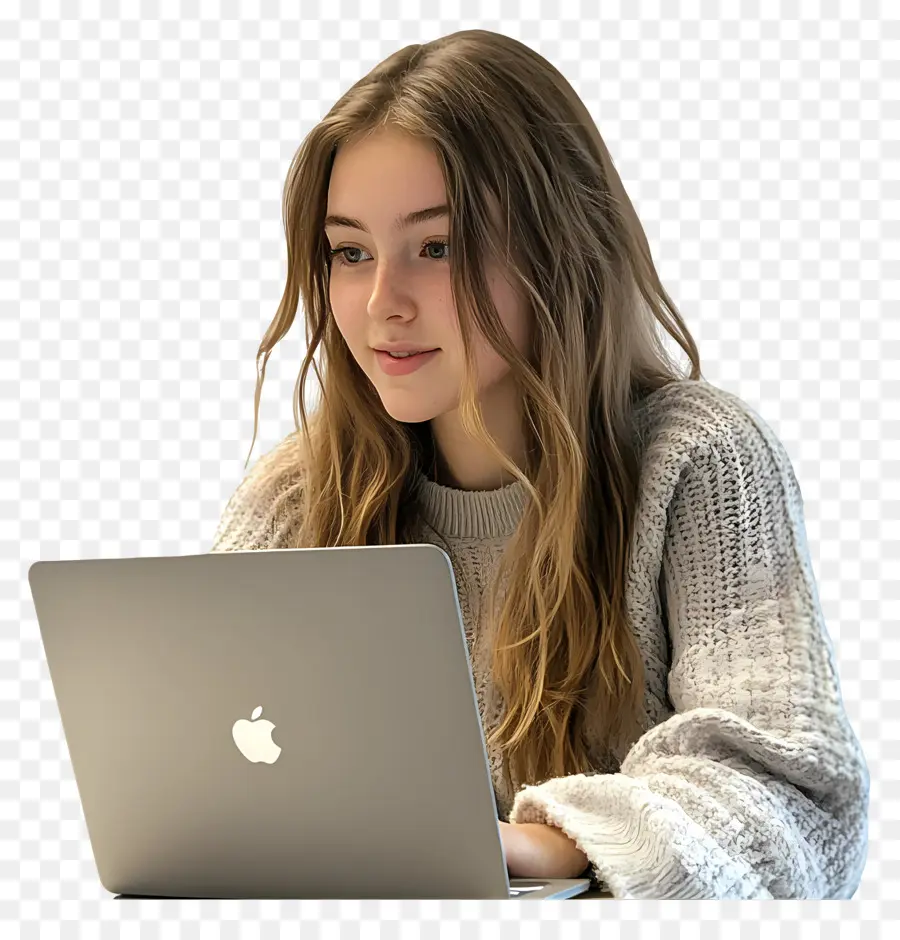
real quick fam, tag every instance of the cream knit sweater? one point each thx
(748, 781)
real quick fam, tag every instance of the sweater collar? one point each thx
(474, 514)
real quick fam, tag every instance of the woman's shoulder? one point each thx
(691, 423)
(693, 417)
(251, 514)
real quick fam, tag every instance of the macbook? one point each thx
(291, 723)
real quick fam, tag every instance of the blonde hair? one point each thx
(504, 123)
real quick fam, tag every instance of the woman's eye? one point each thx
(353, 262)
(342, 257)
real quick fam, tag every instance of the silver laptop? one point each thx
(292, 723)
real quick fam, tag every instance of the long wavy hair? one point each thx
(503, 121)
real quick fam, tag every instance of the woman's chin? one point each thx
(410, 413)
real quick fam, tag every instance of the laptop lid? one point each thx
(290, 723)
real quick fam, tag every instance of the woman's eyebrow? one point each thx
(401, 222)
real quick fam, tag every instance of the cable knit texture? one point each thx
(748, 781)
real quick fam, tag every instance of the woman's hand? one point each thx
(537, 850)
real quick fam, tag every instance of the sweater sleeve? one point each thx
(756, 787)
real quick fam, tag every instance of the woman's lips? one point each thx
(405, 365)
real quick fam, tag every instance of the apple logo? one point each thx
(254, 738)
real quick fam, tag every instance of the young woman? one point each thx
(657, 685)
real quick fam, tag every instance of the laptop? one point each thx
(290, 723)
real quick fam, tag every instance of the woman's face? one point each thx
(391, 285)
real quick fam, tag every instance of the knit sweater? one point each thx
(748, 780)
